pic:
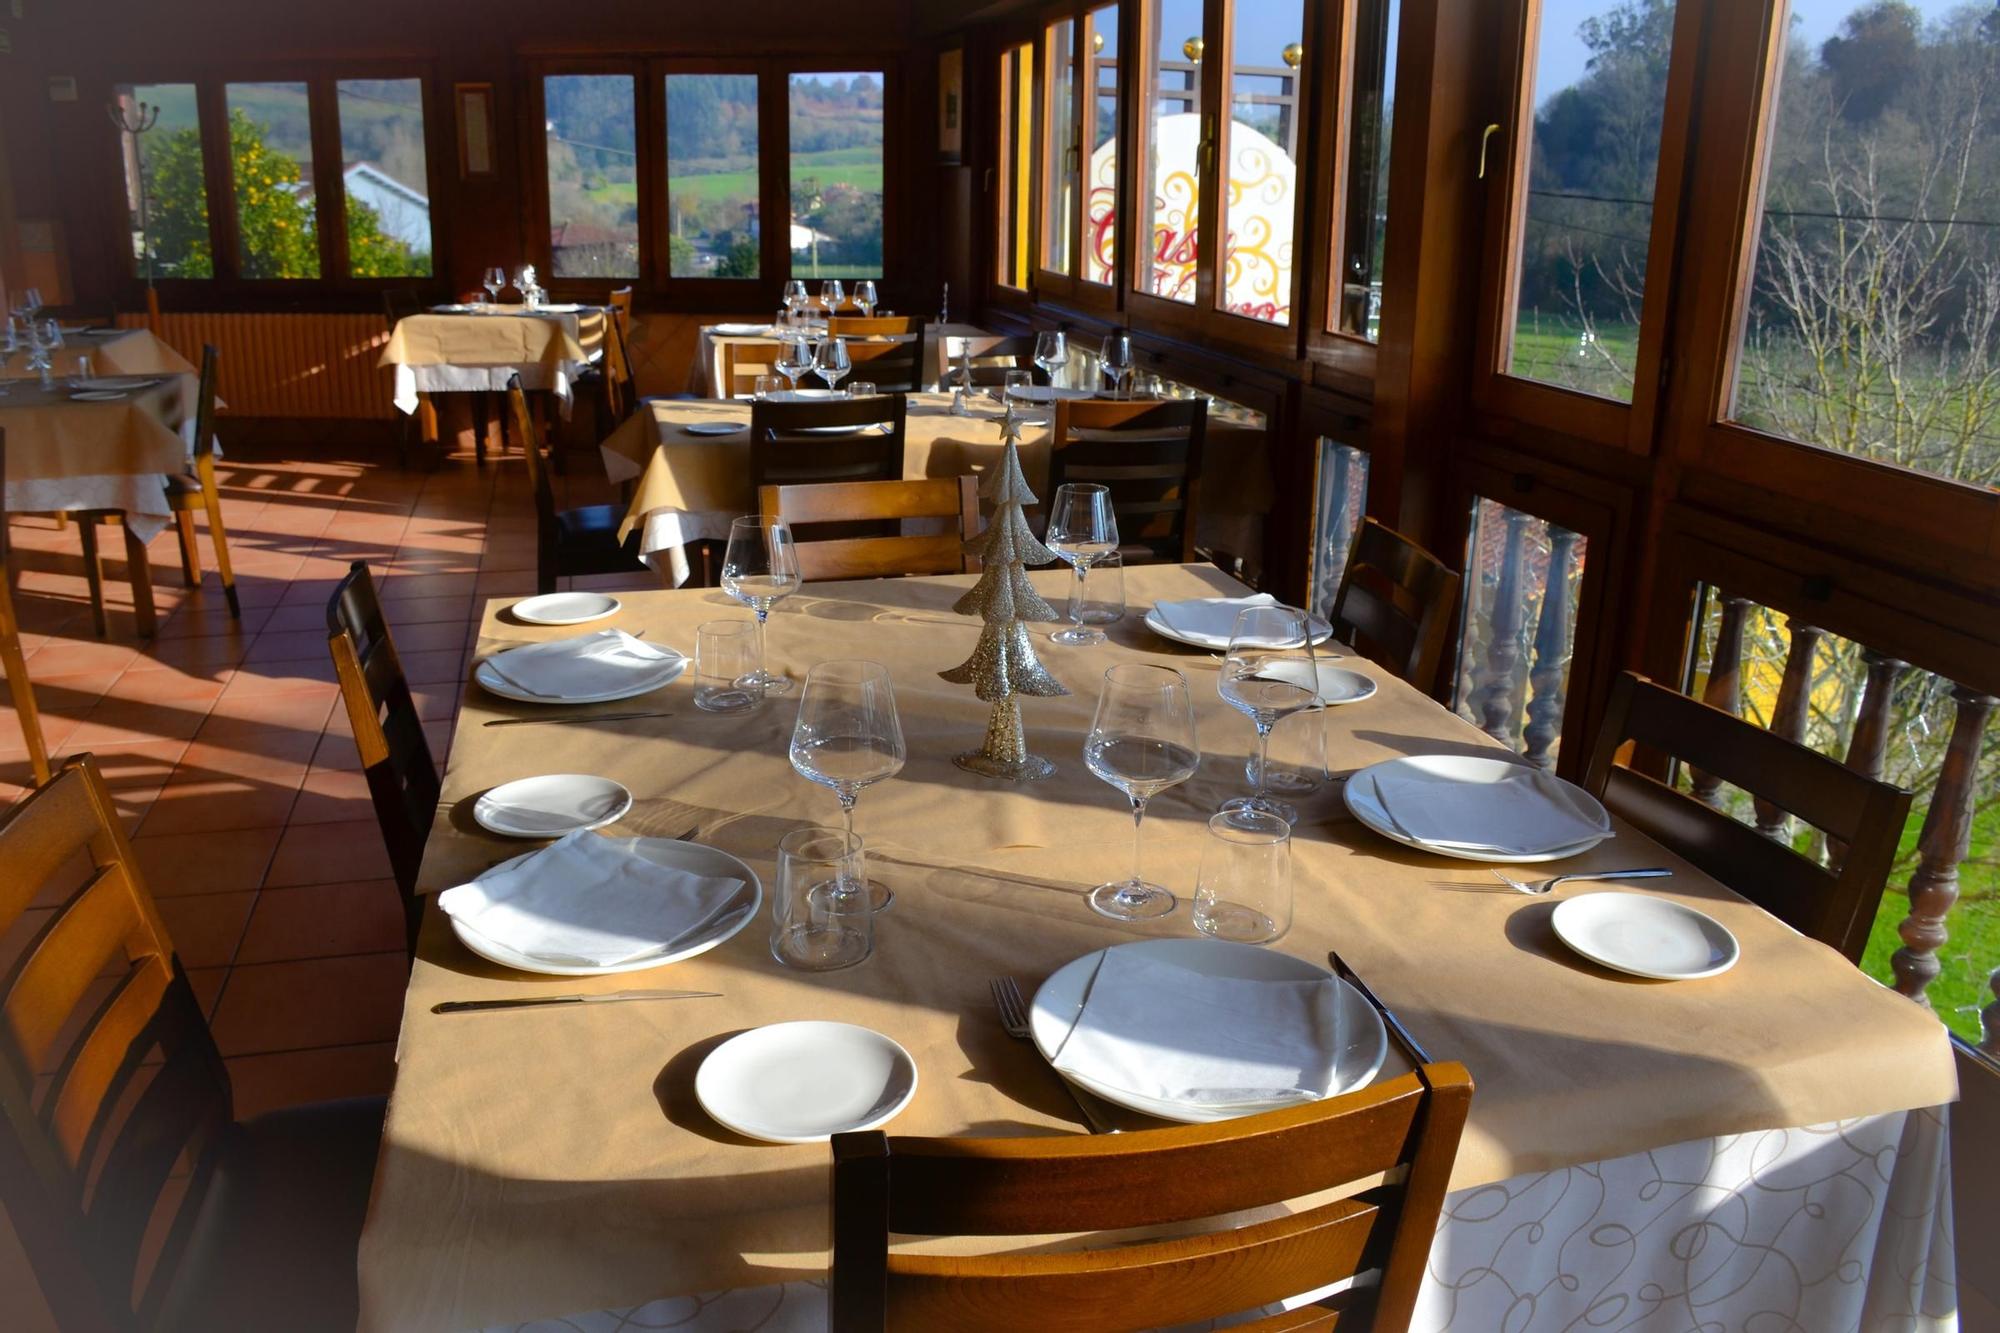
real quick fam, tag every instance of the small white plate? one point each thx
(1338, 685)
(551, 805)
(97, 395)
(691, 857)
(1359, 794)
(805, 1082)
(564, 608)
(1364, 1045)
(714, 427)
(1049, 393)
(1645, 936)
(494, 683)
(741, 330)
(1321, 632)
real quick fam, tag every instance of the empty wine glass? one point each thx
(760, 568)
(849, 737)
(833, 364)
(795, 356)
(831, 295)
(1051, 352)
(494, 280)
(796, 299)
(1116, 360)
(1083, 529)
(1142, 741)
(1268, 674)
(864, 296)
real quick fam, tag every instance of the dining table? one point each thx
(1760, 1147)
(687, 486)
(479, 347)
(706, 379)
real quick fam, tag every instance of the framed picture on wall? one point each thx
(475, 130)
(951, 105)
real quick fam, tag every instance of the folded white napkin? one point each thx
(1528, 812)
(1173, 1034)
(596, 663)
(1209, 617)
(589, 901)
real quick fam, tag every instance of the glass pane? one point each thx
(593, 175)
(1173, 149)
(1011, 183)
(1357, 304)
(1600, 87)
(1522, 578)
(1874, 306)
(712, 190)
(165, 192)
(1100, 29)
(1337, 513)
(270, 156)
(836, 175)
(1264, 122)
(382, 172)
(1059, 148)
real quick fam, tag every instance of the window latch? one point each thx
(1484, 139)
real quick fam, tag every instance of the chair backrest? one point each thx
(97, 1007)
(873, 326)
(742, 363)
(805, 508)
(399, 303)
(1835, 906)
(893, 367)
(1148, 454)
(1058, 1185)
(996, 358)
(204, 408)
(1395, 602)
(621, 329)
(402, 776)
(826, 439)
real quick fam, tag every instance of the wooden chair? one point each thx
(13, 661)
(873, 326)
(569, 542)
(1152, 1178)
(1149, 455)
(742, 363)
(806, 507)
(794, 443)
(122, 1164)
(195, 490)
(1395, 604)
(1833, 905)
(893, 367)
(395, 755)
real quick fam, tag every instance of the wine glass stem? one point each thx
(763, 664)
(847, 812)
(1263, 755)
(1076, 601)
(1138, 842)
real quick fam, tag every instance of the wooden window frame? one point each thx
(1348, 359)
(540, 249)
(1086, 291)
(1008, 181)
(1069, 286)
(718, 293)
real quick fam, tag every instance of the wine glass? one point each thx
(1142, 741)
(795, 356)
(796, 299)
(1116, 360)
(831, 295)
(494, 280)
(1051, 352)
(833, 364)
(848, 737)
(1268, 674)
(760, 568)
(1083, 529)
(864, 296)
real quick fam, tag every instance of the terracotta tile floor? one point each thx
(228, 750)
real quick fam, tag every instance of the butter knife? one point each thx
(563, 721)
(1411, 1046)
(607, 997)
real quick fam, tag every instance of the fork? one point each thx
(1544, 885)
(1014, 1020)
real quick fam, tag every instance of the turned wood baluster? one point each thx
(1495, 702)
(1336, 542)
(1946, 836)
(1870, 742)
(1724, 689)
(1788, 718)
(1550, 672)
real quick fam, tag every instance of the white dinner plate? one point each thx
(119, 383)
(714, 427)
(1049, 393)
(1366, 805)
(98, 395)
(1321, 632)
(1338, 685)
(1364, 1041)
(564, 608)
(494, 683)
(801, 395)
(805, 1082)
(551, 805)
(742, 330)
(1646, 936)
(691, 857)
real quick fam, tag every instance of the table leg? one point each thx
(93, 572)
(140, 571)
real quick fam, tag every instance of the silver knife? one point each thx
(576, 717)
(607, 997)
(1411, 1046)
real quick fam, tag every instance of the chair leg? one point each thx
(140, 570)
(190, 553)
(218, 538)
(480, 416)
(93, 573)
(22, 689)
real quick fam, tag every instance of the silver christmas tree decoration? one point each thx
(1003, 667)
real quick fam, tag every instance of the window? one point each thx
(836, 175)
(383, 176)
(1872, 324)
(1523, 577)
(1599, 92)
(270, 158)
(1012, 185)
(1260, 152)
(1171, 182)
(1100, 146)
(1059, 150)
(1357, 304)
(165, 188)
(712, 176)
(593, 174)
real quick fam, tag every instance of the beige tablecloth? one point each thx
(705, 375)
(478, 350)
(117, 352)
(65, 454)
(541, 1162)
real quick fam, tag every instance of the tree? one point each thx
(1873, 59)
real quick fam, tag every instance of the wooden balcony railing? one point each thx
(1519, 629)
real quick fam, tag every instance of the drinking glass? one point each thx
(1082, 530)
(1018, 384)
(1268, 674)
(760, 568)
(849, 737)
(864, 296)
(833, 364)
(832, 295)
(1116, 360)
(763, 386)
(52, 335)
(725, 664)
(861, 389)
(819, 918)
(1142, 741)
(524, 278)
(1102, 601)
(796, 298)
(795, 356)
(494, 280)
(81, 375)
(1244, 891)
(1051, 352)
